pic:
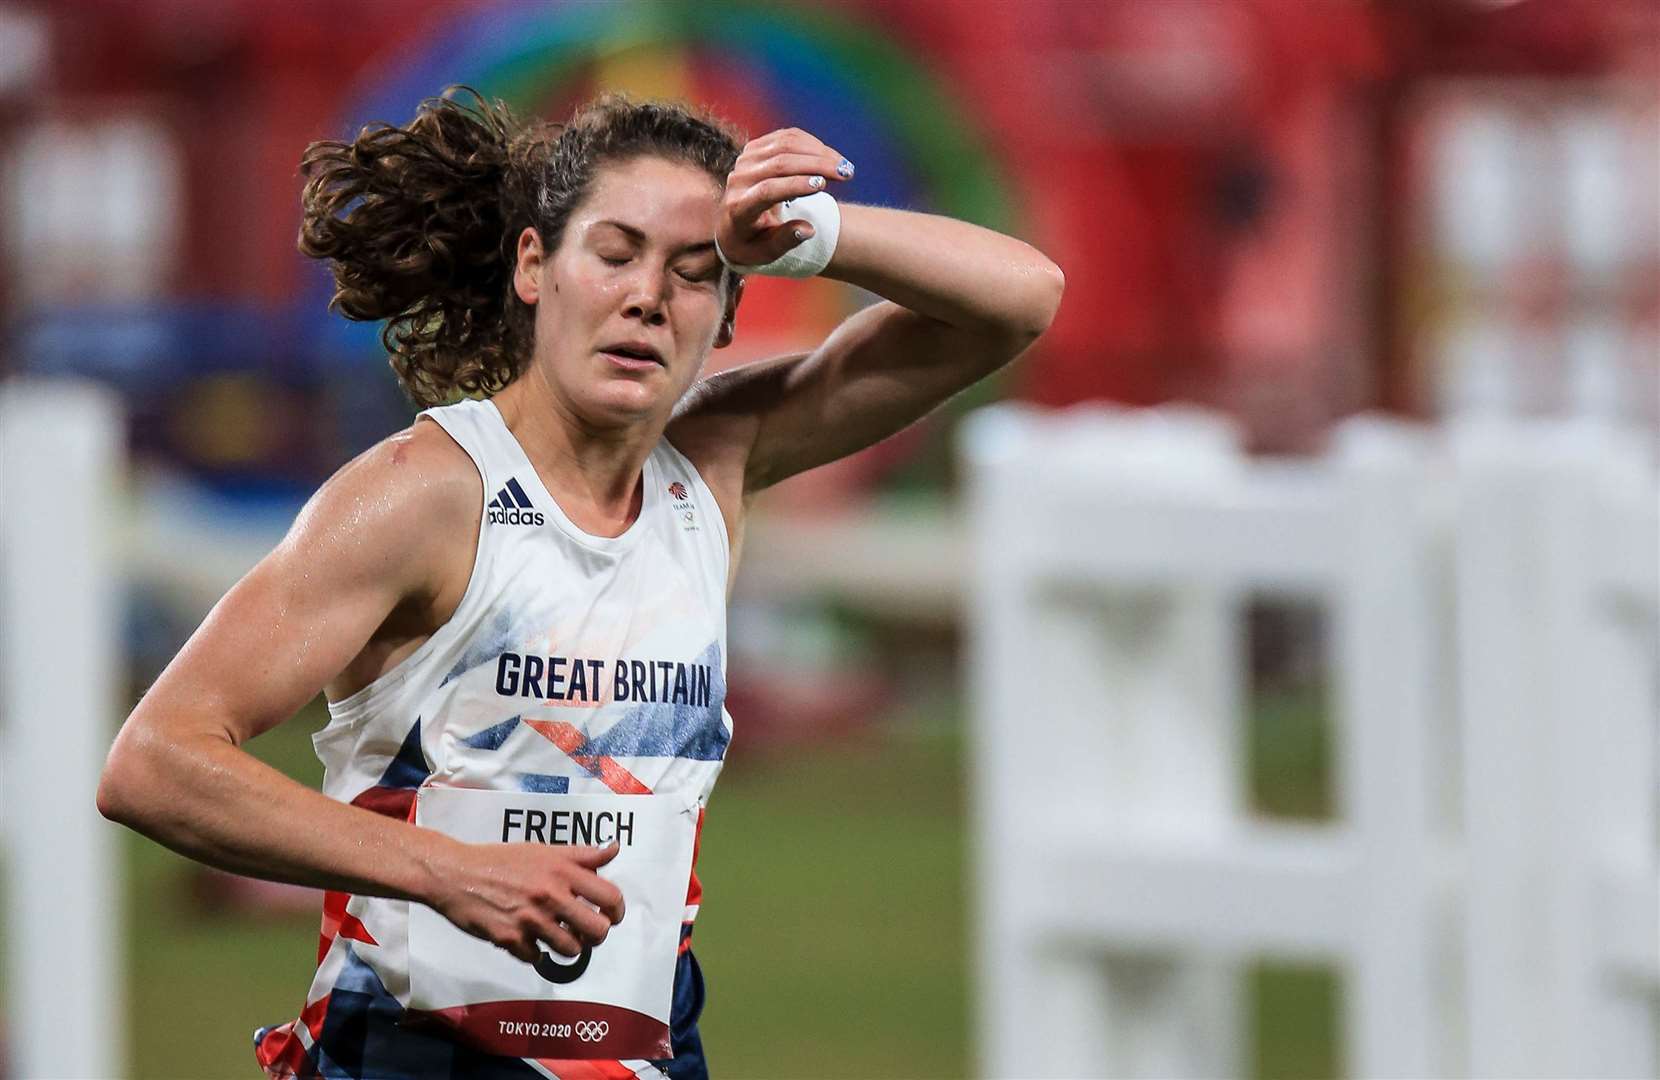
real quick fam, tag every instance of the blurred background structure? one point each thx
(1284, 212)
(1488, 883)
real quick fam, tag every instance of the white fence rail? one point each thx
(1489, 888)
(61, 456)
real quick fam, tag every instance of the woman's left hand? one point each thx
(783, 164)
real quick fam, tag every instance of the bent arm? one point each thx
(959, 275)
(959, 301)
(177, 773)
(388, 543)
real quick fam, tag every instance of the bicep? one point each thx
(879, 371)
(272, 643)
(373, 538)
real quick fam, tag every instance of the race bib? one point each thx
(612, 1001)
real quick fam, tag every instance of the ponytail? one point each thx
(413, 220)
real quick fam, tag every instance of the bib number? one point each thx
(613, 1000)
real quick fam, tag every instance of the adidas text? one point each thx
(516, 517)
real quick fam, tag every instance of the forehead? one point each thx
(670, 201)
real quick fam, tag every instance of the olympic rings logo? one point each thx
(592, 1030)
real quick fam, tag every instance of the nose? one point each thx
(645, 299)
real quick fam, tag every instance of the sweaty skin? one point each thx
(380, 556)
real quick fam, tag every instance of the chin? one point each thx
(623, 403)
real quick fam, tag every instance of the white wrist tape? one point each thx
(812, 255)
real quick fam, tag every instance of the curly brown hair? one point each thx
(421, 223)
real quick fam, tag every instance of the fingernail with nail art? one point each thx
(845, 168)
(817, 181)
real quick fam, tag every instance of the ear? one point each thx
(729, 319)
(527, 266)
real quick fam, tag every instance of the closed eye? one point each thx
(700, 273)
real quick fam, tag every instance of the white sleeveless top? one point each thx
(574, 663)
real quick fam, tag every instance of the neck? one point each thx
(595, 473)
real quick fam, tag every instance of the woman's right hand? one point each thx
(518, 896)
(784, 164)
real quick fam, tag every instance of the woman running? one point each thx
(516, 607)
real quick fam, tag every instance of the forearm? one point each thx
(207, 798)
(957, 273)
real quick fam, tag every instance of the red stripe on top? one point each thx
(570, 740)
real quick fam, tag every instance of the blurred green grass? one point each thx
(832, 935)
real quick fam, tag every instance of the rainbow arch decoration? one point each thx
(830, 72)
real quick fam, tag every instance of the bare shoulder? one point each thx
(366, 567)
(397, 506)
(717, 422)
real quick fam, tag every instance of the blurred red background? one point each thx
(1232, 188)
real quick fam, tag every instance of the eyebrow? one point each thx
(639, 236)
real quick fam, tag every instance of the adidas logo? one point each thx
(511, 506)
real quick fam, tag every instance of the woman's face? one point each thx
(631, 302)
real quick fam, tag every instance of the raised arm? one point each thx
(387, 543)
(959, 302)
